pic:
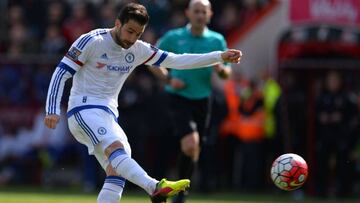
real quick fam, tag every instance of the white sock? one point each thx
(127, 167)
(112, 190)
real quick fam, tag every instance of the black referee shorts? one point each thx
(189, 115)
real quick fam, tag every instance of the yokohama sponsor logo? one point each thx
(122, 69)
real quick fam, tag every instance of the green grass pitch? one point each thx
(29, 195)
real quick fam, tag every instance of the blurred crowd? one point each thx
(253, 118)
(49, 27)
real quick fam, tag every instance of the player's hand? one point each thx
(176, 83)
(222, 71)
(51, 120)
(231, 56)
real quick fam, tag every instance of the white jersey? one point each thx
(100, 67)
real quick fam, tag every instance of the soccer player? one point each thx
(190, 90)
(99, 62)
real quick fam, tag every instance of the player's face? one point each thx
(128, 33)
(199, 14)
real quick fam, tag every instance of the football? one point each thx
(289, 171)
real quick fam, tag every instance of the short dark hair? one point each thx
(134, 11)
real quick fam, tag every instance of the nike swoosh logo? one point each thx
(294, 184)
(100, 65)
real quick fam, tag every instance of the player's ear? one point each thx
(210, 13)
(209, 16)
(117, 23)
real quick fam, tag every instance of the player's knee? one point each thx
(112, 147)
(110, 171)
(190, 144)
(190, 150)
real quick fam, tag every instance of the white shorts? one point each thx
(97, 129)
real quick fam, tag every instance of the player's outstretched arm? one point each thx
(192, 61)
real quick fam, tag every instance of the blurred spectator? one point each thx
(336, 125)
(54, 43)
(229, 18)
(43, 137)
(6, 143)
(248, 10)
(41, 80)
(18, 33)
(40, 150)
(79, 22)
(149, 36)
(14, 51)
(55, 13)
(159, 10)
(12, 88)
(274, 135)
(15, 144)
(177, 19)
(271, 91)
(295, 107)
(20, 37)
(15, 15)
(34, 15)
(246, 121)
(107, 16)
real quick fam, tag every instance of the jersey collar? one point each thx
(113, 44)
(188, 28)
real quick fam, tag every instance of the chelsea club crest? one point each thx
(129, 57)
(102, 131)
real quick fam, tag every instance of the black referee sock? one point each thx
(185, 166)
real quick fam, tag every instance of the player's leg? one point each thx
(201, 115)
(112, 189)
(185, 131)
(191, 143)
(110, 146)
(188, 157)
(124, 165)
(115, 148)
(128, 168)
(113, 185)
(190, 151)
